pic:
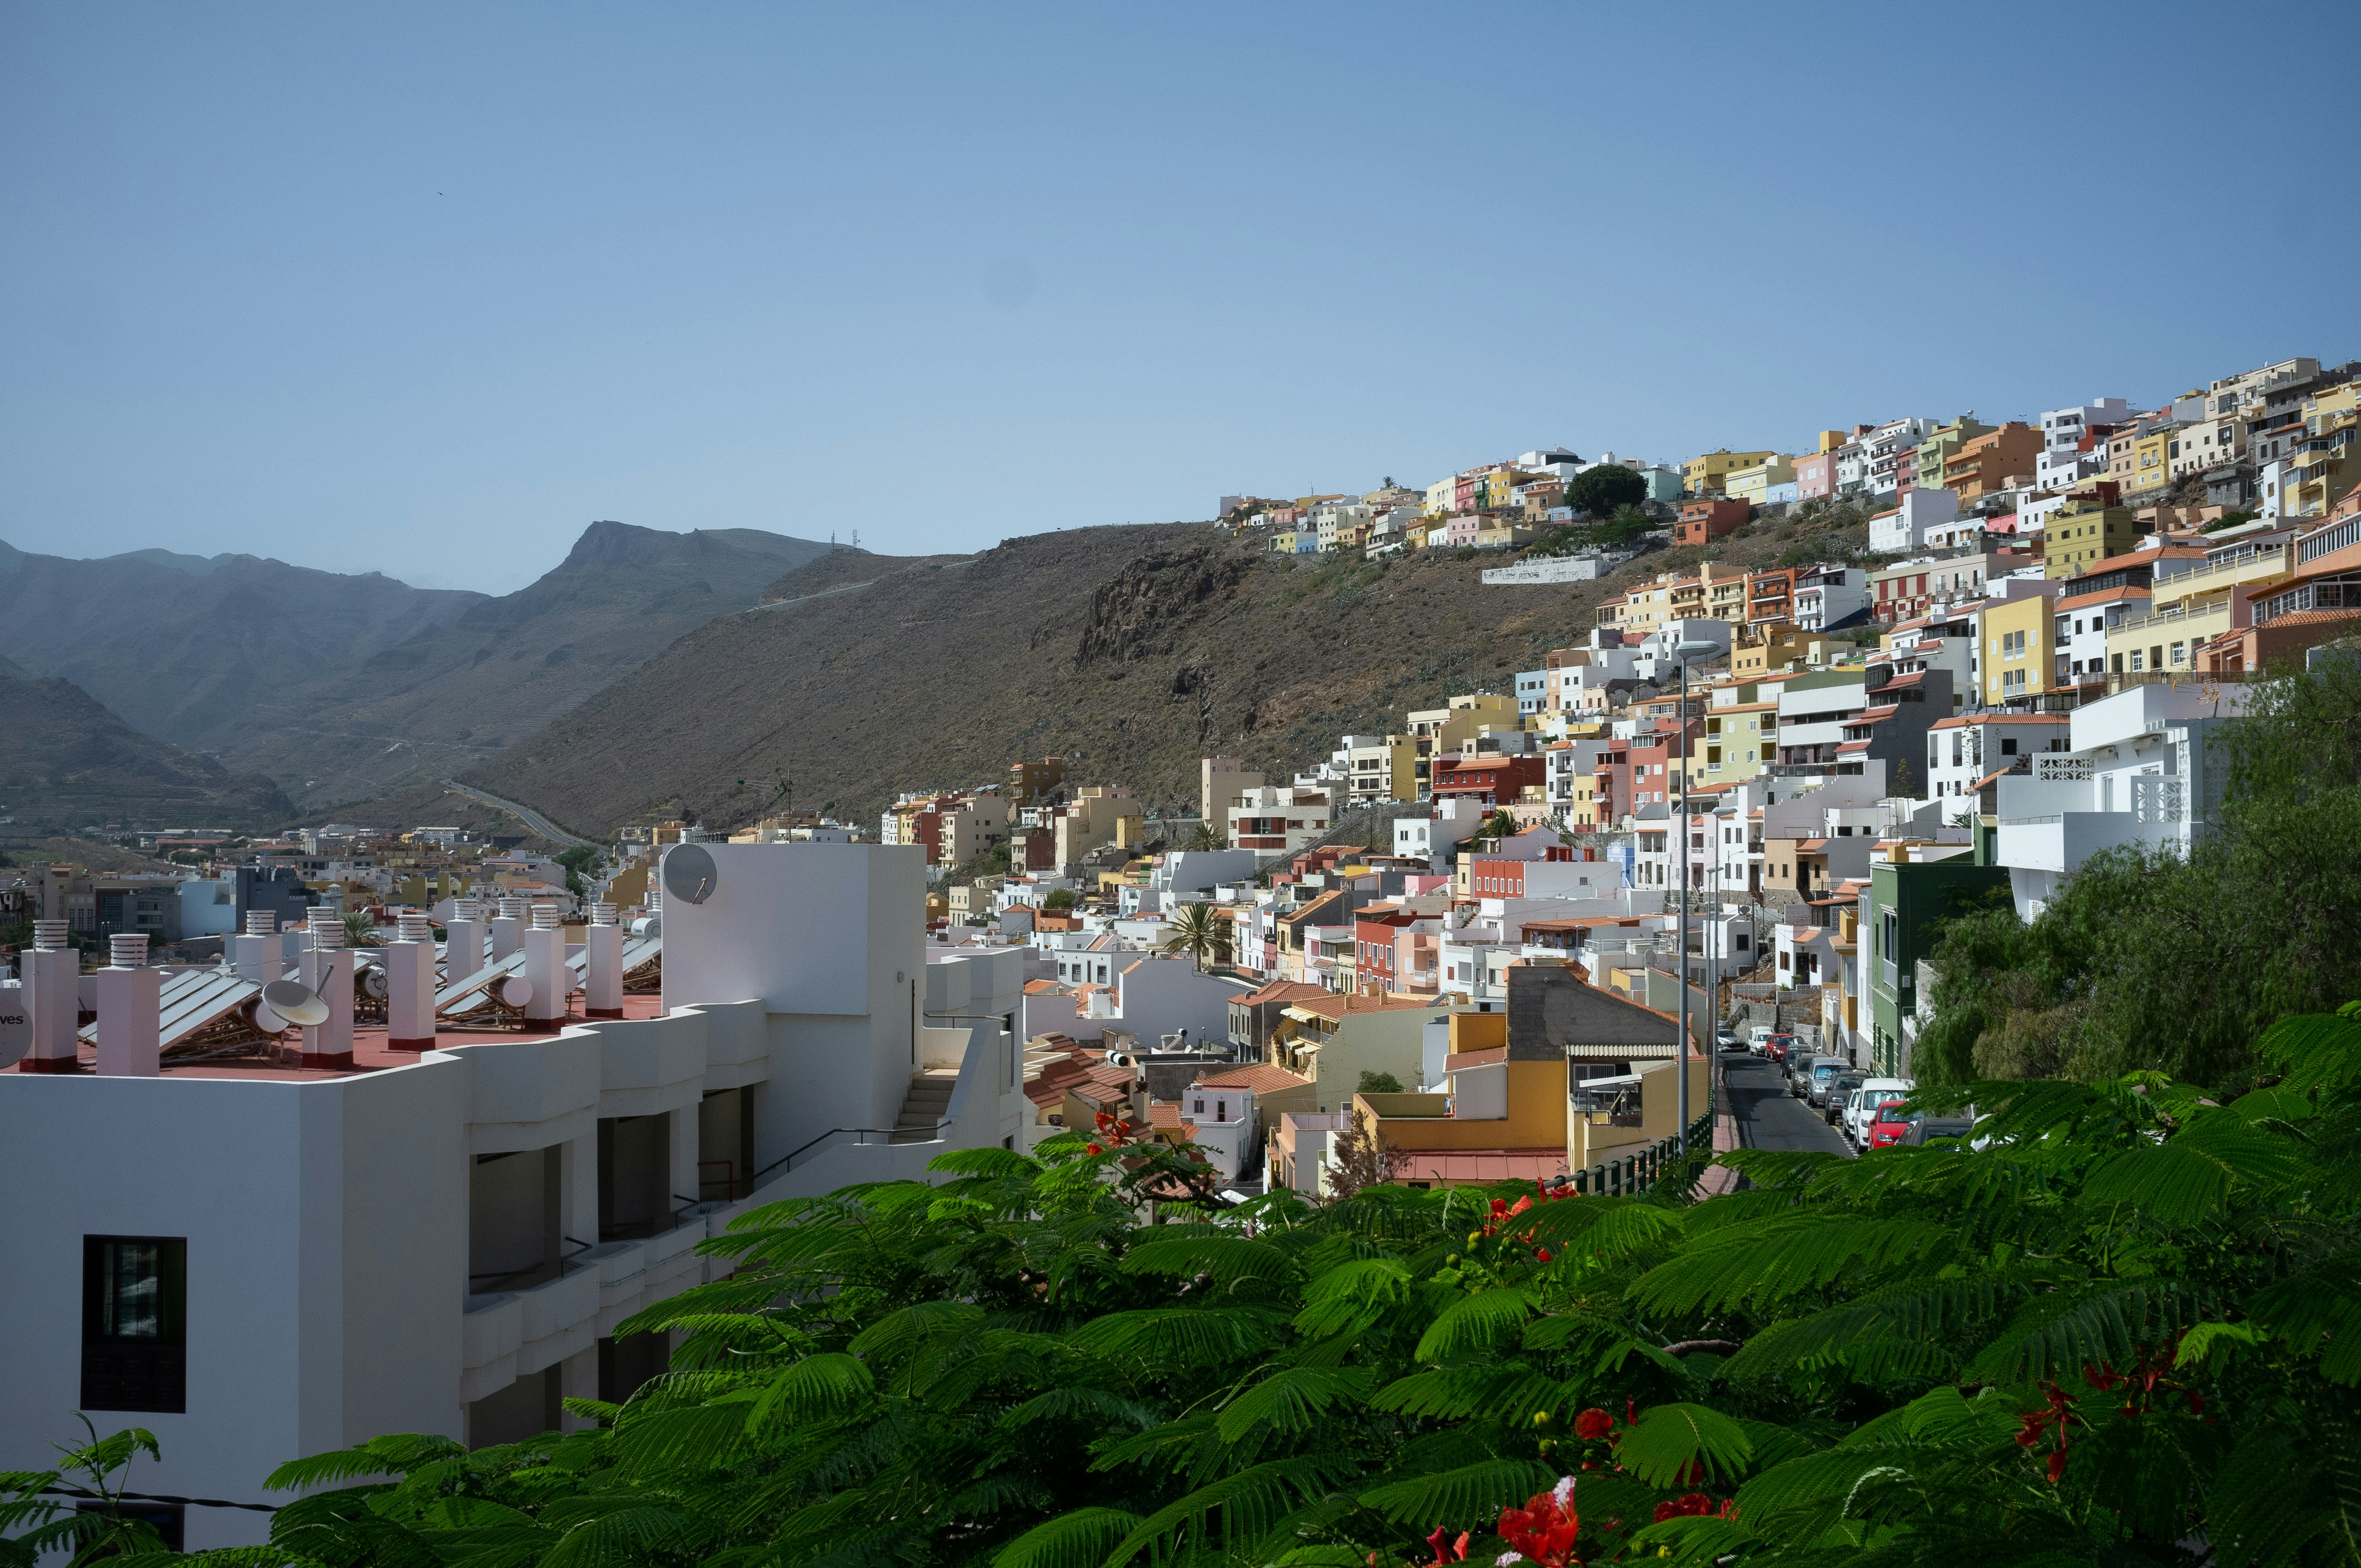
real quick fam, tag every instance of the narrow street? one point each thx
(1769, 1117)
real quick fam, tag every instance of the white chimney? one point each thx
(327, 970)
(410, 982)
(602, 976)
(129, 1011)
(508, 928)
(463, 940)
(259, 954)
(52, 975)
(544, 966)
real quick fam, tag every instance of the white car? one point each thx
(1862, 1105)
(1756, 1036)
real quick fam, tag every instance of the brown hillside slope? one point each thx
(1133, 650)
(67, 761)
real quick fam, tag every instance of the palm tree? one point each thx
(1204, 838)
(360, 929)
(1196, 931)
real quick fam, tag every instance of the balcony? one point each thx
(2062, 841)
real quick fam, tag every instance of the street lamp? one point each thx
(1684, 654)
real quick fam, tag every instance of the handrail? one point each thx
(789, 1159)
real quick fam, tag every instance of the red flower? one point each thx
(1092, 1149)
(1544, 1530)
(1541, 1254)
(1457, 1552)
(1499, 1207)
(1694, 1505)
(1521, 1205)
(1593, 1424)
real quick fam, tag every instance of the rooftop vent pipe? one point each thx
(545, 918)
(261, 922)
(49, 935)
(409, 986)
(602, 914)
(327, 932)
(129, 1010)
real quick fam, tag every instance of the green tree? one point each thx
(2124, 1328)
(1380, 1083)
(1601, 490)
(1058, 898)
(360, 929)
(2147, 959)
(1195, 929)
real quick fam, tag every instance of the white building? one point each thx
(1829, 596)
(1968, 748)
(1907, 525)
(1436, 837)
(445, 1241)
(2142, 769)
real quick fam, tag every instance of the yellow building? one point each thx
(1735, 743)
(2152, 458)
(1703, 475)
(1779, 646)
(1753, 482)
(1388, 770)
(2073, 542)
(2020, 649)
(1441, 494)
(1724, 592)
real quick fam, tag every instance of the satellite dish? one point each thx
(290, 1001)
(689, 873)
(373, 981)
(516, 991)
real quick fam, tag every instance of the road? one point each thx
(1768, 1116)
(522, 812)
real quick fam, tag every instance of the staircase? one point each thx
(924, 1105)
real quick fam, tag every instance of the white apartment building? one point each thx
(2139, 770)
(1877, 469)
(1906, 526)
(445, 1241)
(1967, 748)
(1829, 596)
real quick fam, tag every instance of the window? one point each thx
(134, 1323)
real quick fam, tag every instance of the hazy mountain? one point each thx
(453, 694)
(341, 686)
(179, 645)
(67, 761)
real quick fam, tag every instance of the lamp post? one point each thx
(1684, 653)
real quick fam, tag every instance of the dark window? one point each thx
(135, 1293)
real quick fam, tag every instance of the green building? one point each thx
(1907, 900)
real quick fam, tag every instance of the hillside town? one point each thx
(1459, 950)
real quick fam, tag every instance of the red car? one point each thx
(1886, 1128)
(1776, 1048)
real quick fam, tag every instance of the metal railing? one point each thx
(1642, 1168)
(859, 1134)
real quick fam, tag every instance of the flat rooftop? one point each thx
(369, 1052)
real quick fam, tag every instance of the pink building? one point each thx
(1461, 529)
(1816, 477)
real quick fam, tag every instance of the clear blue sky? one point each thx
(426, 288)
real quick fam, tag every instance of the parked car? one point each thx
(1887, 1127)
(1875, 1095)
(1758, 1039)
(1724, 1038)
(1839, 1093)
(1924, 1127)
(1780, 1047)
(1800, 1064)
(1824, 1071)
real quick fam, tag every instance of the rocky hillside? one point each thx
(344, 688)
(67, 761)
(1133, 650)
(449, 697)
(181, 645)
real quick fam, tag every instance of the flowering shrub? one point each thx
(1085, 1358)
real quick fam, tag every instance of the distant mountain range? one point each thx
(344, 688)
(721, 674)
(66, 763)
